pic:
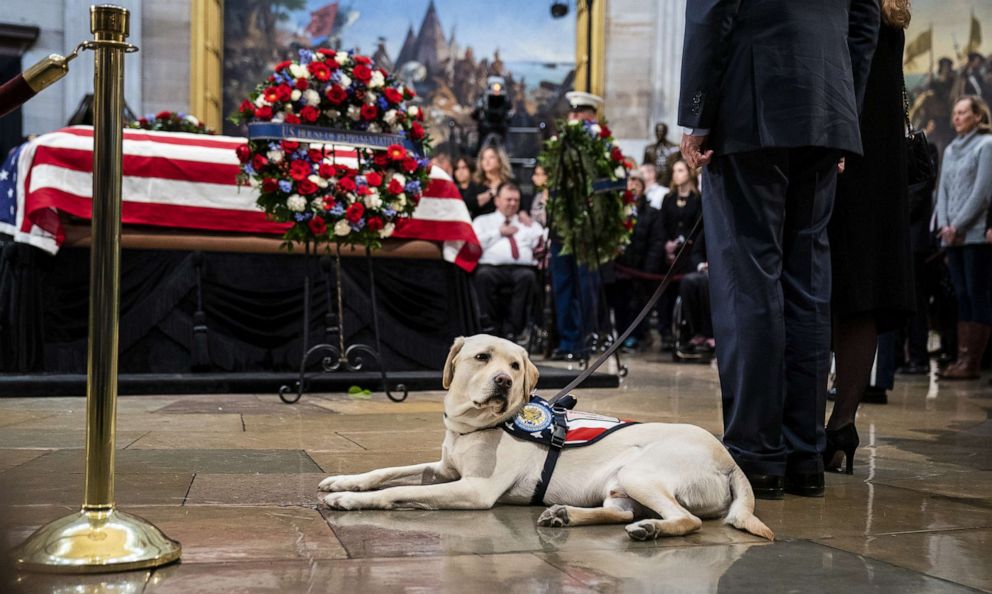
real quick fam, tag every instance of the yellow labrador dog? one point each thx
(658, 478)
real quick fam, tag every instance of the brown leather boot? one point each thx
(974, 349)
(955, 366)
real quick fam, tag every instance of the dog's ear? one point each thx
(449, 365)
(531, 375)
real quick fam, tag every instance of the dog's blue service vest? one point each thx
(557, 427)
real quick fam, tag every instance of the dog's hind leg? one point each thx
(655, 495)
(615, 510)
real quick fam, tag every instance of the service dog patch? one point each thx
(535, 419)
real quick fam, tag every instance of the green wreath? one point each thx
(589, 207)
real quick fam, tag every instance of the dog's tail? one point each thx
(741, 514)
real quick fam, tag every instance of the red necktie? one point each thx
(514, 250)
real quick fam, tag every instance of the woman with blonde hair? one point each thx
(871, 257)
(962, 211)
(492, 171)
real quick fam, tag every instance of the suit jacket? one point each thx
(777, 73)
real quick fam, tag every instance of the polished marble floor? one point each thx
(234, 479)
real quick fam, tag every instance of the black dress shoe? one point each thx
(767, 486)
(803, 484)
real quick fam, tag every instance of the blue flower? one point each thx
(299, 217)
(336, 76)
(413, 187)
(360, 180)
(359, 225)
(248, 169)
(388, 213)
(383, 104)
(338, 210)
(285, 185)
(306, 56)
(274, 146)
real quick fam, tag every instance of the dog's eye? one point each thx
(482, 357)
(515, 365)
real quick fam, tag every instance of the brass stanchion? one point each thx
(100, 538)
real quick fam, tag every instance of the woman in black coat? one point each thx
(870, 237)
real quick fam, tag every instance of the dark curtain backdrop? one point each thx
(252, 309)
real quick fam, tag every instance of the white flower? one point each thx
(400, 201)
(332, 113)
(296, 203)
(342, 228)
(345, 80)
(317, 204)
(373, 201)
(370, 97)
(342, 58)
(319, 57)
(275, 156)
(319, 181)
(620, 172)
(311, 97)
(193, 120)
(295, 95)
(260, 101)
(374, 128)
(595, 129)
(413, 111)
(399, 177)
(377, 80)
(354, 112)
(298, 71)
(279, 117)
(387, 230)
(574, 122)
(628, 210)
(389, 117)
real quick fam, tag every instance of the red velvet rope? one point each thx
(13, 93)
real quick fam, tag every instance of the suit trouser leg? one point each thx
(766, 214)
(523, 280)
(487, 281)
(564, 283)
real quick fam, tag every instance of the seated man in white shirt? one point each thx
(507, 261)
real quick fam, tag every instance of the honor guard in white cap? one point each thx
(584, 105)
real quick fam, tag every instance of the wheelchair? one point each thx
(683, 351)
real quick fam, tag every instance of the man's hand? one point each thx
(949, 235)
(692, 151)
(988, 235)
(525, 219)
(841, 165)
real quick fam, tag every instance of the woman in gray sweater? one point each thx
(962, 208)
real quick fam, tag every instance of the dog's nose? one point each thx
(504, 381)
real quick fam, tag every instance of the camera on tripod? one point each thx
(493, 113)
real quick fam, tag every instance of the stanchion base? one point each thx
(96, 542)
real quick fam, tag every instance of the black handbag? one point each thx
(920, 168)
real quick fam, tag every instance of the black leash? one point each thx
(679, 258)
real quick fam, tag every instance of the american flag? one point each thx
(187, 181)
(8, 192)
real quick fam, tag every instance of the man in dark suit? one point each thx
(771, 93)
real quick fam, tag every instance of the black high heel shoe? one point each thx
(843, 441)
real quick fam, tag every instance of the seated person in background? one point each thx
(507, 262)
(655, 192)
(679, 211)
(697, 324)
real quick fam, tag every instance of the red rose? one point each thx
(337, 95)
(318, 226)
(245, 107)
(347, 184)
(409, 165)
(319, 70)
(269, 185)
(369, 112)
(604, 132)
(354, 212)
(361, 60)
(143, 121)
(281, 65)
(409, 93)
(362, 73)
(628, 224)
(373, 179)
(616, 154)
(244, 152)
(326, 171)
(364, 190)
(329, 203)
(380, 159)
(302, 84)
(628, 197)
(394, 187)
(392, 95)
(290, 145)
(345, 171)
(373, 224)
(359, 95)
(417, 131)
(327, 52)
(264, 113)
(259, 161)
(292, 118)
(299, 170)
(270, 94)
(163, 115)
(315, 155)
(310, 113)
(285, 92)
(306, 187)
(396, 152)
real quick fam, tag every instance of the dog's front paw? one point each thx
(344, 482)
(343, 501)
(643, 530)
(555, 516)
